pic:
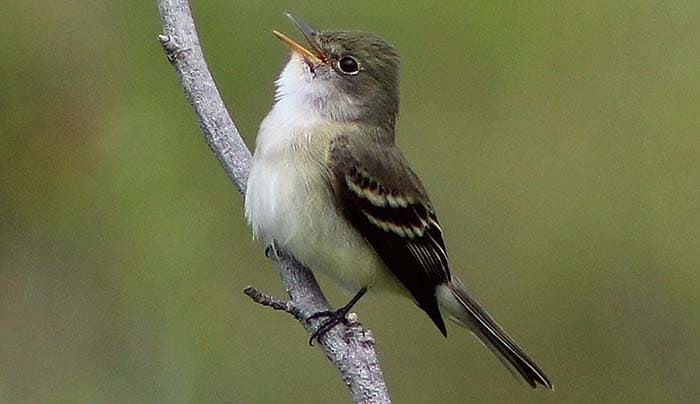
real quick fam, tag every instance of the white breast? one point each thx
(283, 172)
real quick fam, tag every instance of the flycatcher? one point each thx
(329, 185)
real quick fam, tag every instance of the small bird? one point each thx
(329, 185)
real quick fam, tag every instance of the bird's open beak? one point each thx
(311, 55)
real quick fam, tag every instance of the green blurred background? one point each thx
(559, 141)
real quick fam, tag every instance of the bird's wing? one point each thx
(385, 201)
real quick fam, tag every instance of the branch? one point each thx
(349, 347)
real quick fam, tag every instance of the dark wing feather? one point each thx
(391, 210)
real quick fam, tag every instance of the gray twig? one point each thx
(350, 348)
(273, 302)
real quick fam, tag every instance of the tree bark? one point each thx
(350, 348)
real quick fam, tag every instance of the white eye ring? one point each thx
(348, 65)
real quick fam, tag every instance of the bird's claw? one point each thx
(334, 318)
(271, 251)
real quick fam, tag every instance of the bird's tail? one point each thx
(461, 308)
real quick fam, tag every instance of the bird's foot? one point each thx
(334, 317)
(272, 252)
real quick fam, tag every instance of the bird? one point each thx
(329, 185)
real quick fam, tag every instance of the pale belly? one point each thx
(284, 204)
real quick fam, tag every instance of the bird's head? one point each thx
(344, 75)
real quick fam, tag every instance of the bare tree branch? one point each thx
(350, 348)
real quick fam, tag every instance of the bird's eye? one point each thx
(348, 65)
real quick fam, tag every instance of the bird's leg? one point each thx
(272, 252)
(334, 316)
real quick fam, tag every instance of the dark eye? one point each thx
(348, 65)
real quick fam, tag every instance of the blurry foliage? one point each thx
(559, 140)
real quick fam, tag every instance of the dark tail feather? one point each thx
(464, 310)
